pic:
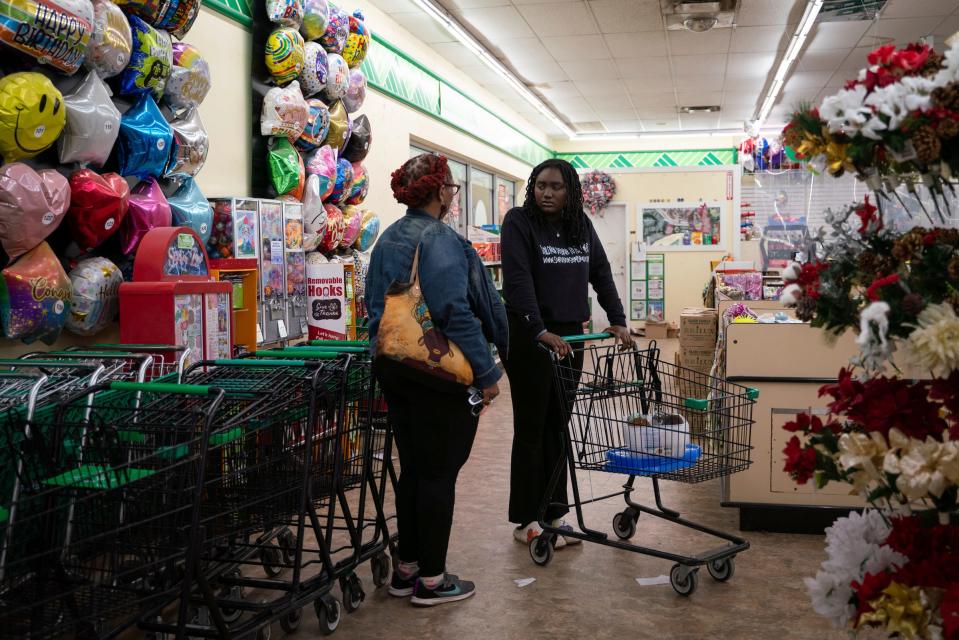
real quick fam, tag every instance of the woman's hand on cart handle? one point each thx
(556, 344)
(489, 393)
(623, 336)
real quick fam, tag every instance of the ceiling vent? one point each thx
(706, 108)
(699, 16)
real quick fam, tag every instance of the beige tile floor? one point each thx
(591, 591)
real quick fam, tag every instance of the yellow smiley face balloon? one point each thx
(32, 115)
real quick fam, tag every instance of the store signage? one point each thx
(326, 301)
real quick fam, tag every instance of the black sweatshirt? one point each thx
(546, 278)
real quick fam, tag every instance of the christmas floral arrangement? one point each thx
(598, 190)
(894, 440)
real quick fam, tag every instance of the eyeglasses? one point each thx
(454, 187)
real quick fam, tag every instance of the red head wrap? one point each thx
(419, 178)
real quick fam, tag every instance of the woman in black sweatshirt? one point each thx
(551, 254)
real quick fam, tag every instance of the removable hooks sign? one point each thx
(326, 300)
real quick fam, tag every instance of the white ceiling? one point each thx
(611, 65)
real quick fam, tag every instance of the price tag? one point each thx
(281, 327)
(259, 333)
(276, 252)
(304, 327)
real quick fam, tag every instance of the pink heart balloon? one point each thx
(32, 205)
(148, 209)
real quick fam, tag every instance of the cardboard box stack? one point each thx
(698, 331)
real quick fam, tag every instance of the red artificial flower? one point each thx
(867, 215)
(811, 424)
(882, 55)
(873, 291)
(949, 609)
(930, 238)
(800, 461)
(869, 589)
(850, 84)
(912, 58)
(904, 535)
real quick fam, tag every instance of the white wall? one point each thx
(646, 144)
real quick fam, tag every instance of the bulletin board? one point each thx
(647, 287)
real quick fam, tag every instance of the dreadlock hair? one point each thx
(572, 217)
(419, 179)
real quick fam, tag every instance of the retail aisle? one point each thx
(591, 591)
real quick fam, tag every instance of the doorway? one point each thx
(611, 227)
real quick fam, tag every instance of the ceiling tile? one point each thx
(699, 83)
(644, 68)
(539, 72)
(576, 49)
(903, 30)
(498, 24)
(624, 126)
(457, 55)
(606, 90)
(855, 61)
(590, 70)
(761, 39)
(836, 35)
(946, 28)
(686, 43)
(633, 45)
(748, 86)
(699, 98)
(607, 113)
(576, 109)
(395, 6)
(627, 16)
(699, 65)
(484, 75)
(661, 125)
(649, 85)
(527, 2)
(527, 49)
(765, 12)
(658, 114)
(750, 65)
(659, 101)
(559, 90)
(457, 6)
(734, 99)
(707, 121)
(824, 60)
(911, 8)
(727, 121)
(423, 27)
(559, 19)
(807, 80)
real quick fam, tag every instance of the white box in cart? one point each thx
(663, 435)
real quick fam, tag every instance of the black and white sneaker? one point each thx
(451, 589)
(401, 587)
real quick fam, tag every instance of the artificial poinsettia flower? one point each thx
(881, 55)
(800, 461)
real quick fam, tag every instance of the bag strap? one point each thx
(414, 271)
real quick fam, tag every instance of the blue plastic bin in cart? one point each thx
(642, 464)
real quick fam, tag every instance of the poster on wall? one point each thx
(656, 311)
(188, 325)
(245, 226)
(326, 301)
(639, 310)
(682, 227)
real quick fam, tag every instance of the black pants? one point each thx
(538, 422)
(434, 433)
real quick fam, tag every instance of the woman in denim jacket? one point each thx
(433, 422)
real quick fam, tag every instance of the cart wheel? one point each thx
(263, 634)
(234, 593)
(270, 557)
(352, 593)
(624, 526)
(328, 614)
(287, 542)
(722, 569)
(291, 621)
(541, 550)
(683, 579)
(380, 567)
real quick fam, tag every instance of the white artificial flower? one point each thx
(792, 271)
(791, 295)
(918, 92)
(950, 68)
(874, 347)
(845, 112)
(934, 343)
(830, 595)
(872, 127)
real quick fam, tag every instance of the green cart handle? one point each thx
(336, 344)
(334, 348)
(586, 337)
(298, 352)
(163, 387)
(752, 393)
(696, 404)
(258, 362)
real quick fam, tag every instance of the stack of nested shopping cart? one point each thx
(199, 503)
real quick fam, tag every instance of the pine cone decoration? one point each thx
(908, 245)
(948, 129)
(806, 309)
(953, 268)
(913, 304)
(933, 64)
(947, 97)
(868, 263)
(927, 144)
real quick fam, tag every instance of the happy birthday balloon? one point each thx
(145, 139)
(32, 204)
(284, 55)
(148, 210)
(285, 165)
(286, 13)
(337, 78)
(315, 69)
(150, 62)
(111, 44)
(339, 126)
(357, 42)
(316, 15)
(360, 185)
(356, 93)
(337, 29)
(93, 306)
(314, 214)
(322, 163)
(285, 112)
(360, 140)
(93, 123)
(352, 217)
(317, 126)
(189, 80)
(32, 115)
(35, 297)
(191, 209)
(190, 146)
(55, 32)
(369, 230)
(175, 17)
(335, 227)
(341, 186)
(98, 205)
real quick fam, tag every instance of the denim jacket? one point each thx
(461, 298)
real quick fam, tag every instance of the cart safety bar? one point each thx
(333, 347)
(339, 343)
(299, 352)
(122, 347)
(587, 337)
(163, 387)
(259, 362)
(47, 363)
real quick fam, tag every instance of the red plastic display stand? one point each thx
(174, 299)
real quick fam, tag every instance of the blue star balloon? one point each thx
(191, 209)
(145, 140)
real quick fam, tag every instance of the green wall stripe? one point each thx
(239, 11)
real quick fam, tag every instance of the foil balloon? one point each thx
(191, 209)
(316, 15)
(297, 191)
(337, 29)
(322, 163)
(341, 185)
(313, 76)
(286, 13)
(315, 258)
(356, 92)
(360, 139)
(189, 80)
(357, 41)
(94, 304)
(35, 296)
(98, 206)
(314, 214)
(175, 17)
(111, 44)
(93, 123)
(145, 140)
(317, 126)
(190, 146)
(360, 185)
(150, 62)
(335, 227)
(285, 165)
(148, 210)
(285, 112)
(339, 126)
(352, 218)
(32, 204)
(337, 78)
(284, 55)
(55, 32)
(32, 115)
(369, 230)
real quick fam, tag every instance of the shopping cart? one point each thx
(167, 359)
(107, 510)
(631, 413)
